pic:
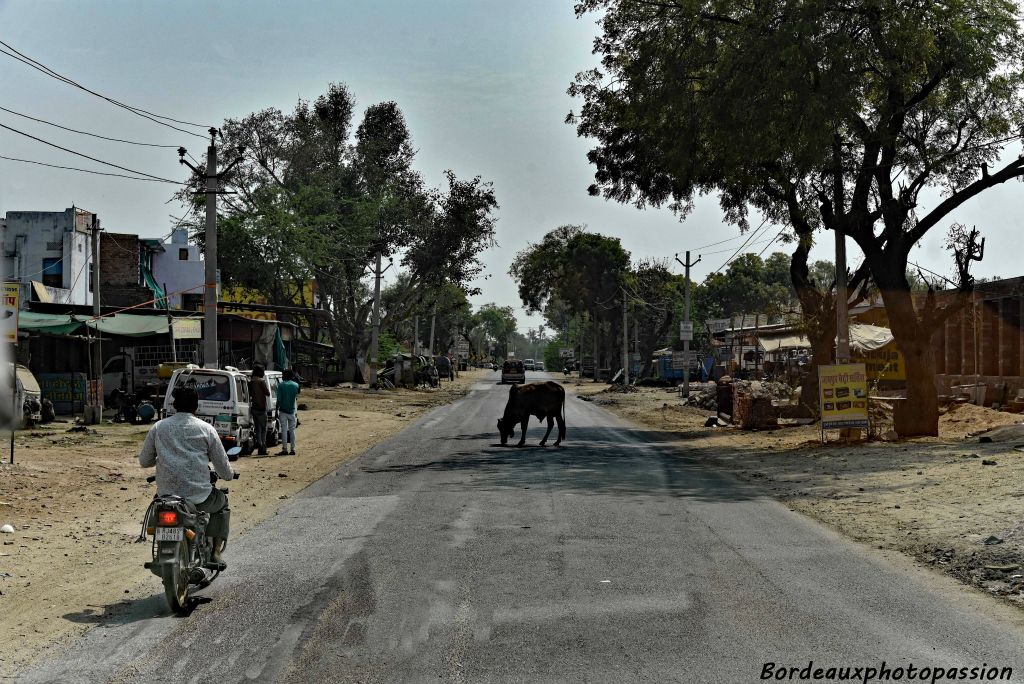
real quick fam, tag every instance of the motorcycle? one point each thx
(181, 550)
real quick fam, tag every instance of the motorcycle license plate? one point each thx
(169, 533)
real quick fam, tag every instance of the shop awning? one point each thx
(130, 325)
(56, 324)
(783, 340)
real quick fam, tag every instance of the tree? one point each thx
(499, 322)
(582, 270)
(822, 115)
(321, 201)
(749, 285)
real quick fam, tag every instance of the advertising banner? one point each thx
(686, 330)
(844, 396)
(12, 292)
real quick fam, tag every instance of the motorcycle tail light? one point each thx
(167, 518)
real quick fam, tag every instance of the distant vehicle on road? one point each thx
(538, 365)
(529, 364)
(512, 372)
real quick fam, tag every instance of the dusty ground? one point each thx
(76, 501)
(935, 499)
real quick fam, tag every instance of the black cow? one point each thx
(541, 399)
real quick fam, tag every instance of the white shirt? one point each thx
(180, 446)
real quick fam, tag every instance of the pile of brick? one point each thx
(752, 403)
(706, 398)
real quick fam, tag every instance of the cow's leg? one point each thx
(561, 429)
(522, 440)
(551, 424)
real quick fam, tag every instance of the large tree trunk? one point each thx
(919, 415)
(819, 321)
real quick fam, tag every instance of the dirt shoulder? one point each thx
(937, 500)
(76, 500)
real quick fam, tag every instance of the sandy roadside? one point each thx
(935, 499)
(76, 501)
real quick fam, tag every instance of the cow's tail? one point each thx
(563, 410)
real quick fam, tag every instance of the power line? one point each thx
(116, 166)
(145, 114)
(738, 249)
(94, 135)
(74, 168)
(771, 242)
(729, 249)
(720, 242)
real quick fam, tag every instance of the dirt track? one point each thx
(76, 501)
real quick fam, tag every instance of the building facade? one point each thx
(179, 267)
(52, 249)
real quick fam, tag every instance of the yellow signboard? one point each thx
(843, 393)
(885, 363)
(12, 295)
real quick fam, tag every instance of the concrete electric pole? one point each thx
(211, 359)
(686, 332)
(94, 414)
(842, 314)
(375, 331)
(625, 342)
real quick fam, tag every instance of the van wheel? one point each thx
(271, 438)
(247, 447)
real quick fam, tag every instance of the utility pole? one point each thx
(375, 332)
(625, 342)
(210, 357)
(842, 315)
(95, 411)
(433, 319)
(416, 334)
(170, 325)
(686, 319)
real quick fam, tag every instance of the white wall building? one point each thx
(52, 249)
(181, 268)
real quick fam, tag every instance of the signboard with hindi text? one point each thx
(12, 294)
(843, 394)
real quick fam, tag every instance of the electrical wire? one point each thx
(729, 249)
(85, 156)
(145, 114)
(94, 135)
(740, 248)
(770, 243)
(74, 168)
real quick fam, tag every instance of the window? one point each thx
(209, 386)
(191, 302)
(53, 272)
(242, 387)
(183, 254)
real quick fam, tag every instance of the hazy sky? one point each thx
(482, 85)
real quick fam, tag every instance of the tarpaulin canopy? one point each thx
(129, 325)
(863, 338)
(56, 324)
(867, 338)
(783, 340)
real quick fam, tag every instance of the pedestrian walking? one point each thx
(259, 395)
(287, 393)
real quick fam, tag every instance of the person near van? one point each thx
(287, 393)
(259, 394)
(181, 446)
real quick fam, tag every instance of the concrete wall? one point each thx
(180, 275)
(31, 236)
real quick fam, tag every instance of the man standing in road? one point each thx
(258, 395)
(287, 392)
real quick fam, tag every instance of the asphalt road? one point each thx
(439, 555)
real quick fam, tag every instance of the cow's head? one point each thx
(507, 429)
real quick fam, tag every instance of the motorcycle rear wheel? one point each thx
(175, 577)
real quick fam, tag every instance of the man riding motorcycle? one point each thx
(180, 446)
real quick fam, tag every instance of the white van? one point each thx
(223, 402)
(273, 379)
